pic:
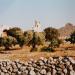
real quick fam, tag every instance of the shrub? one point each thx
(47, 49)
(33, 49)
(72, 38)
(55, 42)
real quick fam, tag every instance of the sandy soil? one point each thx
(25, 55)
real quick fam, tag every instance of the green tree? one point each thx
(72, 38)
(51, 35)
(14, 32)
(38, 39)
(7, 42)
(28, 36)
(1, 41)
(55, 43)
(21, 41)
(18, 34)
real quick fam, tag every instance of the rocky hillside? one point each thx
(66, 30)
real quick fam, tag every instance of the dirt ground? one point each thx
(25, 55)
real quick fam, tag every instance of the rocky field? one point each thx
(42, 66)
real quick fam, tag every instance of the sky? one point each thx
(50, 13)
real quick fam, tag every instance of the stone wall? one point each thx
(43, 66)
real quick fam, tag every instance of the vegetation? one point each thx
(28, 35)
(21, 40)
(51, 35)
(47, 49)
(30, 38)
(14, 36)
(72, 38)
(7, 42)
(38, 39)
(15, 32)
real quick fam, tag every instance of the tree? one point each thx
(72, 38)
(21, 40)
(51, 35)
(18, 34)
(28, 36)
(14, 32)
(1, 41)
(7, 42)
(38, 39)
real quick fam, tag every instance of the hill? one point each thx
(66, 30)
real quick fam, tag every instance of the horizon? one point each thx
(50, 13)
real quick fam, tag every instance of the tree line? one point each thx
(50, 36)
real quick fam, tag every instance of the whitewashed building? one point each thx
(37, 26)
(2, 27)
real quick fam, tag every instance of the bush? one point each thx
(33, 49)
(47, 49)
(55, 43)
(71, 38)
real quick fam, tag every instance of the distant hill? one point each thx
(66, 30)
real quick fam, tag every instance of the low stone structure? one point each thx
(43, 66)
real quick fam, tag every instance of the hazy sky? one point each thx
(23, 13)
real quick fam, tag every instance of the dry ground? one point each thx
(25, 55)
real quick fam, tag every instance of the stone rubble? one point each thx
(43, 66)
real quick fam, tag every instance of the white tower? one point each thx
(1, 30)
(37, 26)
